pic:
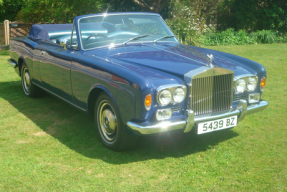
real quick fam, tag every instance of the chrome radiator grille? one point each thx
(211, 94)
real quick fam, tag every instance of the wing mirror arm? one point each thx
(73, 46)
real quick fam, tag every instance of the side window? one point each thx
(74, 39)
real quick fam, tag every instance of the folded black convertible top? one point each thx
(41, 31)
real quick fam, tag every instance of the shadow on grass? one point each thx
(76, 130)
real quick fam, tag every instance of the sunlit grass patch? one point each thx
(47, 145)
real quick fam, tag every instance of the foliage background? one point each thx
(10, 8)
(48, 145)
(255, 15)
(195, 22)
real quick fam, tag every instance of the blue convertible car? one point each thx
(130, 72)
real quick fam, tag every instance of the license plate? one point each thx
(216, 125)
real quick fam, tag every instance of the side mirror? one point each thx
(74, 46)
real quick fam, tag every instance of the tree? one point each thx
(152, 5)
(55, 11)
(10, 8)
(255, 15)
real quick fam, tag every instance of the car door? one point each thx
(55, 66)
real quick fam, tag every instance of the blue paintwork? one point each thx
(127, 73)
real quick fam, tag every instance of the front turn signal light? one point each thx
(262, 83)
(147, 102)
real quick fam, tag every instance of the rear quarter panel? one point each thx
(22, 49)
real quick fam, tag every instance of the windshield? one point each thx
(110, 30)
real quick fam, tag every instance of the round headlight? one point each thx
(164, 97)
(251, 83)
(240, 85)
(178, 95)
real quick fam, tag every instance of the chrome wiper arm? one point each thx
(137, 37)
(165, 37)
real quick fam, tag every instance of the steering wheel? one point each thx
(96, 34)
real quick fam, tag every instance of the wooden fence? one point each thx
(4, 33)
(19, 29)
(10, 30)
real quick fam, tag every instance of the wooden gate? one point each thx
(11, 30)
(19, 29)
(4, 33)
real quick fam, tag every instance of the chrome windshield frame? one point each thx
(109, 14)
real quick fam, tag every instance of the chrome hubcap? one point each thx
(26, 80)
(107, 121)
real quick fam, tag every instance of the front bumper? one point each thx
(187, 124)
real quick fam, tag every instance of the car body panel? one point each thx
(126, 72)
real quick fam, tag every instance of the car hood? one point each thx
(174, 59)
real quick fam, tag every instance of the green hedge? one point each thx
(241, 37)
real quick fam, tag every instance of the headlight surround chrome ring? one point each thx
(178, 95)
(251, 83)
(240, 86)
(164, 97)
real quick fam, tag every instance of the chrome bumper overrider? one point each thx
(12, 63)
(187, 124)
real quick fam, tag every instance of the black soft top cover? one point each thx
(41, 31)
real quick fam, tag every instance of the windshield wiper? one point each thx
(165, 37)
(134, 38)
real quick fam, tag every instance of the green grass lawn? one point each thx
(47, 145)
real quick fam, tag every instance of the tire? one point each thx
(111, 130)
(29, 88)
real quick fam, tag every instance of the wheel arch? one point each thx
(94, 94)
(21, 61)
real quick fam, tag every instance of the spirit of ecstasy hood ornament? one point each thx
(211, 58)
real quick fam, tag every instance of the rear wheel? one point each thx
(111, 131)
(29, 89)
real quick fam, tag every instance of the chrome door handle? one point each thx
(43, 52)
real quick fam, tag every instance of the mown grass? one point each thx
(47, 145)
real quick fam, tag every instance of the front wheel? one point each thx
(111, 131)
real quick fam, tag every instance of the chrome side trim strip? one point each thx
(186, 125)
(60, 97)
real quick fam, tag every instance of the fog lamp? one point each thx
(163, 114)
(254, 98)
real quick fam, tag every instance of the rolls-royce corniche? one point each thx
(131, 73)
